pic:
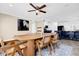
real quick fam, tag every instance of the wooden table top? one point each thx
(32, 36)
(27, 37)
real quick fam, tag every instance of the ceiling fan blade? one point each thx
(33, 5)
(42, 6)
(31, 10)
(42, 11)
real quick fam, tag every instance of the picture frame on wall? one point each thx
(23, 25)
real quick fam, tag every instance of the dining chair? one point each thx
(22, 44)
(7, 51)
(43, 42)
(54, 41)
(11, 48)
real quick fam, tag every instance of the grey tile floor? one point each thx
(66, 48)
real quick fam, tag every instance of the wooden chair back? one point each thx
(2, 43)
(5, 49)
(56, 37)
(47, 39)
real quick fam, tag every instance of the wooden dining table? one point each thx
(30, 39)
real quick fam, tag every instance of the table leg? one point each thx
(30, 49)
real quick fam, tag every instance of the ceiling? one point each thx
(59, 12)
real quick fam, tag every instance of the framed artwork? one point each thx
(23, 25)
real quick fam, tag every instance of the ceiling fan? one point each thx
(37, 8)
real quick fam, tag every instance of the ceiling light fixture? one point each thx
(37, 11)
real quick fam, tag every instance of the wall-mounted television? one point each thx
(23, 25)
(61, 28)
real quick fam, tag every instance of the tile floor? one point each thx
(66, 48)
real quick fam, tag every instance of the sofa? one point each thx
(71, 35)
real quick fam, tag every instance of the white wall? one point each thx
(52, 25)
(33, 27)
(8, 27)
(70, 26)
